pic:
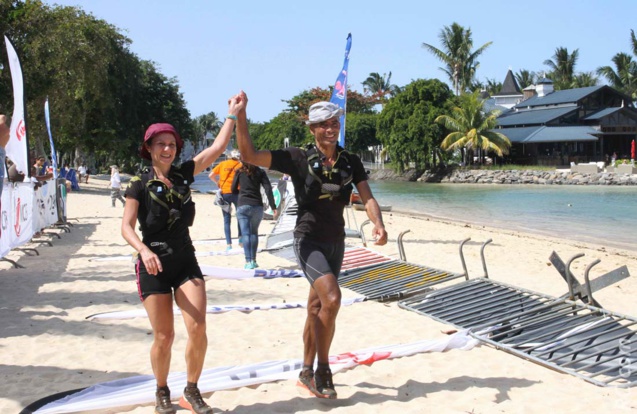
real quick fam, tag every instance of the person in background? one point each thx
(222, 175)
(166, 266)
(323, 175)
(247, 183)
(116, 186)
(39, 172)
(81, 172)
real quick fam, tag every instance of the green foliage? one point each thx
(284, 125)
(406, 125)
(360, 132)
(356, 102)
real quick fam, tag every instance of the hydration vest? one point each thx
(322, 182)
(169, 209)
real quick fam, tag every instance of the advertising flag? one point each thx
(47, 119)
(17, 148)
(339, 96)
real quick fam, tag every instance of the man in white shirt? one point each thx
(116, 186)
(81, 172)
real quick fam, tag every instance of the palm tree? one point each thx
(203, 124)
(562, 67)
(460, 62)
(525, 78)
(624, 76)
(472, 128)
(584, 79)
(380, 87)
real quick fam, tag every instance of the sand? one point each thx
(47, 346)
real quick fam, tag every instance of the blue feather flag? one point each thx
(47, 119)
(339, 95)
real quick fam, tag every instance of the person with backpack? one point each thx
(166, 267)
(323, 175)
(247, 184)
(222, 175)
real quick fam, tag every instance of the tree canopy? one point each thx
(101, 95)
(406, 125)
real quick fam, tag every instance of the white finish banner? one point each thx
(129, 392)
(212, 309)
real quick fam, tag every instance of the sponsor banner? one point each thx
(5, 218)
(21, 220)
(17, 147)
(24, 212)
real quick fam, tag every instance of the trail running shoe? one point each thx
(324, 384)
(162, 402)
(192, 400)
(306, 380)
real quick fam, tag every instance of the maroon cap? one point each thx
(156, 129)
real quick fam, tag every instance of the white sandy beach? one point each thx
(47, 346)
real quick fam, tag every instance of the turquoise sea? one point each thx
(605, 215)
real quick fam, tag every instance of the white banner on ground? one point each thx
(140, 390)
(217, 272)
(121, 258)
(212, 309)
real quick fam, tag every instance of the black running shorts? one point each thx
(178, 269)
(319, 258)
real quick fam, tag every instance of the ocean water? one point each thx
(605, 215)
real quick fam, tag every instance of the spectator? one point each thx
(247, 183)
(81, 172)
(116, 186)
(223, 175)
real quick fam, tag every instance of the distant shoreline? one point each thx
(553, 177)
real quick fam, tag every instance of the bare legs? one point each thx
(323, 304)
(191, 298)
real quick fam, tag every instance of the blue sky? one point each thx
(276, 49)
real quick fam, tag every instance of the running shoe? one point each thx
(162, 402)
(306, 380)
(192, 400)
(324, 384)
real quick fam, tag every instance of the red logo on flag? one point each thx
(21, 131)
